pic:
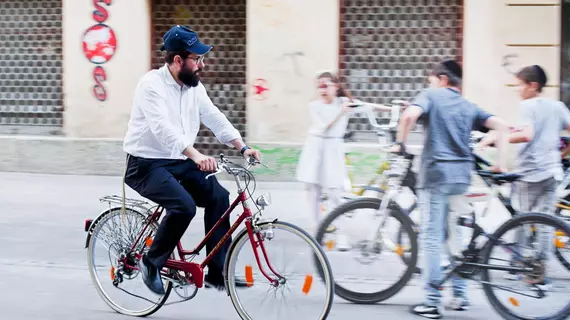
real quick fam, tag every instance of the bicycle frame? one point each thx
(473, 252)
(197, 270)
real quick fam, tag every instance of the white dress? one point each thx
(322, 159)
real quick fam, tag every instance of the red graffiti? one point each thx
(99, 45)
(260, 87)
(99, 75)
(100, 14)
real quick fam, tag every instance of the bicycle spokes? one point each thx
(279, 274)
(523, 274)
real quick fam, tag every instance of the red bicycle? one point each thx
(124, 232)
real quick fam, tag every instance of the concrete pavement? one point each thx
(43, 264)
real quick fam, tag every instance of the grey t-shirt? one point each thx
(539, 159)
(448, 120)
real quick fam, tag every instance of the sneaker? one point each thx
(513, 276)
(429, 312)
(458, 304)
(545, 285)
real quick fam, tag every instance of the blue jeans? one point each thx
(436, 203)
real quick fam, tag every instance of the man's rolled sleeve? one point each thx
(564, 115)
(215, 120)
(481, 116)
(152, 105)
(423, 101)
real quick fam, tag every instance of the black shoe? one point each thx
(151, 276)
(427, 311)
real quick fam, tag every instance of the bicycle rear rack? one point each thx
(129, 202)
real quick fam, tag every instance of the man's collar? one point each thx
(168, 76)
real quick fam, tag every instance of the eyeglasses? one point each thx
(198, 60)
(324, 86)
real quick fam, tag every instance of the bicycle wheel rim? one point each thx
(243, 240)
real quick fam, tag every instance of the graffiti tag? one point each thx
(508, 64)
(99, 46)
(260, 89)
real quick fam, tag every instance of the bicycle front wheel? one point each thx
(297, 294)
(367, 250)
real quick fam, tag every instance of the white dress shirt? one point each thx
(165, 118)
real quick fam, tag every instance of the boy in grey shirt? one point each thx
(445, 172)
(538, 157)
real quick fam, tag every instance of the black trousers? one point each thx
(179, 186)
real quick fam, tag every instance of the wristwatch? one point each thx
(243, 149)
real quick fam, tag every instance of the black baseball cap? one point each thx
(182, 38)
(453, 67)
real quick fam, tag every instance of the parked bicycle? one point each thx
(528, 259)
(121, 237)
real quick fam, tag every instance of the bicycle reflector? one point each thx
(307, 284)
(249, 275)
(87, 224)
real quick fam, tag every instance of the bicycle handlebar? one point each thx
(395, 116)
(223, 166)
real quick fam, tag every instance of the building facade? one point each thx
(69, 68)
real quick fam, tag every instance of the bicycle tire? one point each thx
(232, 255)
(407, 224)
(505, 227)
(557, 252)
(100, 222)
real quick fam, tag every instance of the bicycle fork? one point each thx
(257, 241)
(376, 234)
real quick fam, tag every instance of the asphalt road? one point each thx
(43, 262)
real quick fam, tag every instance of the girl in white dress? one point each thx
(321, 163)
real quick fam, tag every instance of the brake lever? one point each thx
(213, 174)
(219, 169)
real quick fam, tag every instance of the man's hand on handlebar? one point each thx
(205, 163)
(497, 169)
(252, 153)
(398, 148)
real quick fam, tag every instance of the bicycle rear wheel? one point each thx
(311, 298)
(533, 284)
(562, 247)
(353, 282)
(110, 267)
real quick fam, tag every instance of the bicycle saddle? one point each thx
(499, 177)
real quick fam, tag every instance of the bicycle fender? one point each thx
(368, 188)
(91, 223)
(232, 247)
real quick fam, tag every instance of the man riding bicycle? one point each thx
(163, 166)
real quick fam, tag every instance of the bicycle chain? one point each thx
(143, 298)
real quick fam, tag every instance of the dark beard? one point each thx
(189, 77)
